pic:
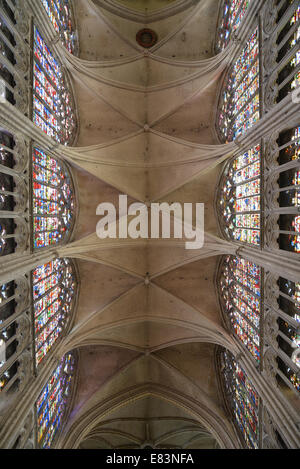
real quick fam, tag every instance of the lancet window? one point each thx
(240, 100)
(53, 200)
(240, 285)
(54, 288)
(242, 399)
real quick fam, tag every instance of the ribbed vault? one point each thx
(148, 320)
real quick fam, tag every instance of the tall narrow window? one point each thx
(7, 195)
(15, 335)
(242, 399)
(289, 183)
(240, 101)
(52, 102)
(231, 15)
(53, 200)
(240, 283)
(239, 200)
(61, 17)
(52, 404)
(54, 287)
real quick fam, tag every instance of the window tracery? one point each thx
(53, 108)
(53, 200)
(52, 404)
(13, 195)
(242, 399)
(239, 198)
(54, 287)
(281, 50)
(288, 49)
(289, 190)
(240, 291)
(15, 336)
(231, 17)
(7, 45)
(61, 16)
(289, 336)
(240, 100)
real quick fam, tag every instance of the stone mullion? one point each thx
(284, 211)
(19, 412)
(11, 26)
(272, 331)
(290, 76)
(284, 417)
(276, 170)
(21, 53)
(284, 337)
(287, 15)
(286, 359)
(12, 318)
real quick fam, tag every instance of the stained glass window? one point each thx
(240, 198)
(53, 296)
(240, 282)
(289, 338)
(52, 102)
(243, 400)
(289, 53)
(53, 200)
(289, 183)
(52, 403)
(240, 101)
(60, 14)
(232, 14)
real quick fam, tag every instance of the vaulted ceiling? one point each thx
(148, 319)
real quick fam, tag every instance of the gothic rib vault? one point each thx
(147, 321)
(146, 367)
